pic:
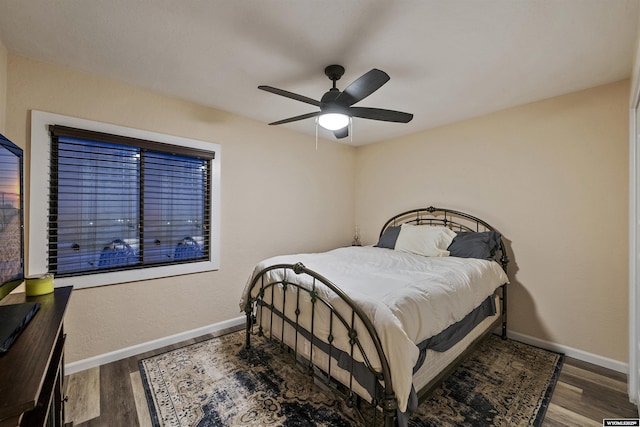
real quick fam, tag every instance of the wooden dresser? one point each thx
(32, 371)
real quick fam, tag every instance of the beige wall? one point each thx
(553, 177)
(279, 195)
(3, 85)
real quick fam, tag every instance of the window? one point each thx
(124, 208)
(120, 205)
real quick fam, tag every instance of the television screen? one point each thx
(11, 217)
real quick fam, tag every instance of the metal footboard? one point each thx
(287, 298)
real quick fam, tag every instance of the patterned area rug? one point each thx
(218, 383)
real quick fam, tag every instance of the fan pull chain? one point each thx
(351, 129)
(316, 134)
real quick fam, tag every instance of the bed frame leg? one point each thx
(389, 420)
(248, 330)
(389, 406)
(504, 312)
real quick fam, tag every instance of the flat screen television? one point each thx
(13, 317)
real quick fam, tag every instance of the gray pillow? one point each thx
(389, 237)
(469, 244)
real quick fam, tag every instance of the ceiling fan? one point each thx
(336, 108)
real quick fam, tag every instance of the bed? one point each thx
(385, 323)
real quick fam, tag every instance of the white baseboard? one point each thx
(605, 362)
(102, 359)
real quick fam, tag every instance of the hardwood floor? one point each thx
(112, 395)
(586, 394)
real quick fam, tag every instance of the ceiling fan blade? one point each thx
(380, 114)
(364, 86)
(296, 118)
(341, 133)
(291, 95)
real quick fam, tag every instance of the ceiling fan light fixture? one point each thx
(333, 121)
(336, 108)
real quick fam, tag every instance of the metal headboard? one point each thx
(455, 220)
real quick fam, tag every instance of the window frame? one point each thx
(39, 173)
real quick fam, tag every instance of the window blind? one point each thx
(120, 203)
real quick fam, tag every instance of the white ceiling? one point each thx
(448, 60)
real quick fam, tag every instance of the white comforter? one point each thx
(409, 298)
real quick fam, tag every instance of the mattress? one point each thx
(436, 362)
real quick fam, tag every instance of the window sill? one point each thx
(116, 277)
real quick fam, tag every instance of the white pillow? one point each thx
(426, 240)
